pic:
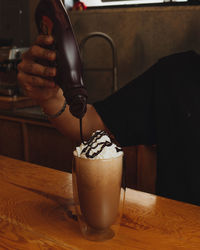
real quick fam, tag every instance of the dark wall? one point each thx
(14, 21)
(141, 35)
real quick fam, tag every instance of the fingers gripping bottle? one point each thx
(52, 18)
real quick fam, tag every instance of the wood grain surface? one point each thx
(36, 212)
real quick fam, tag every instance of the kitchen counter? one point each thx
(34, 112)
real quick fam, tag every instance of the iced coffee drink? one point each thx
(98, 172)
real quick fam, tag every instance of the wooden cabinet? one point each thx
(11, 139)
(35, 141)
(140, 163)
(46, 146)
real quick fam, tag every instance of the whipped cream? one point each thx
(99, 146)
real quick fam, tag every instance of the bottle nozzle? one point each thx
(78, 106)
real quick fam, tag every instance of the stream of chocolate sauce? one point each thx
(81, 130)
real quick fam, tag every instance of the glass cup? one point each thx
(98, 196)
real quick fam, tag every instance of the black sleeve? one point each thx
(129, 113)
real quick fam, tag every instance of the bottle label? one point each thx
(46, 25)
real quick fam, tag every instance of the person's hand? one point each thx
(35, 79)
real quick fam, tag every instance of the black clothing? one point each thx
(162, 106)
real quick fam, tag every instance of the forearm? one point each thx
(69, 125)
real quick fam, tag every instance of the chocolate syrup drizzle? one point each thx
(81, 130)
(97, 135)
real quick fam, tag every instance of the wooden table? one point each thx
(35, 205)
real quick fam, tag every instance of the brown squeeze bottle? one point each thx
(52, 18)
